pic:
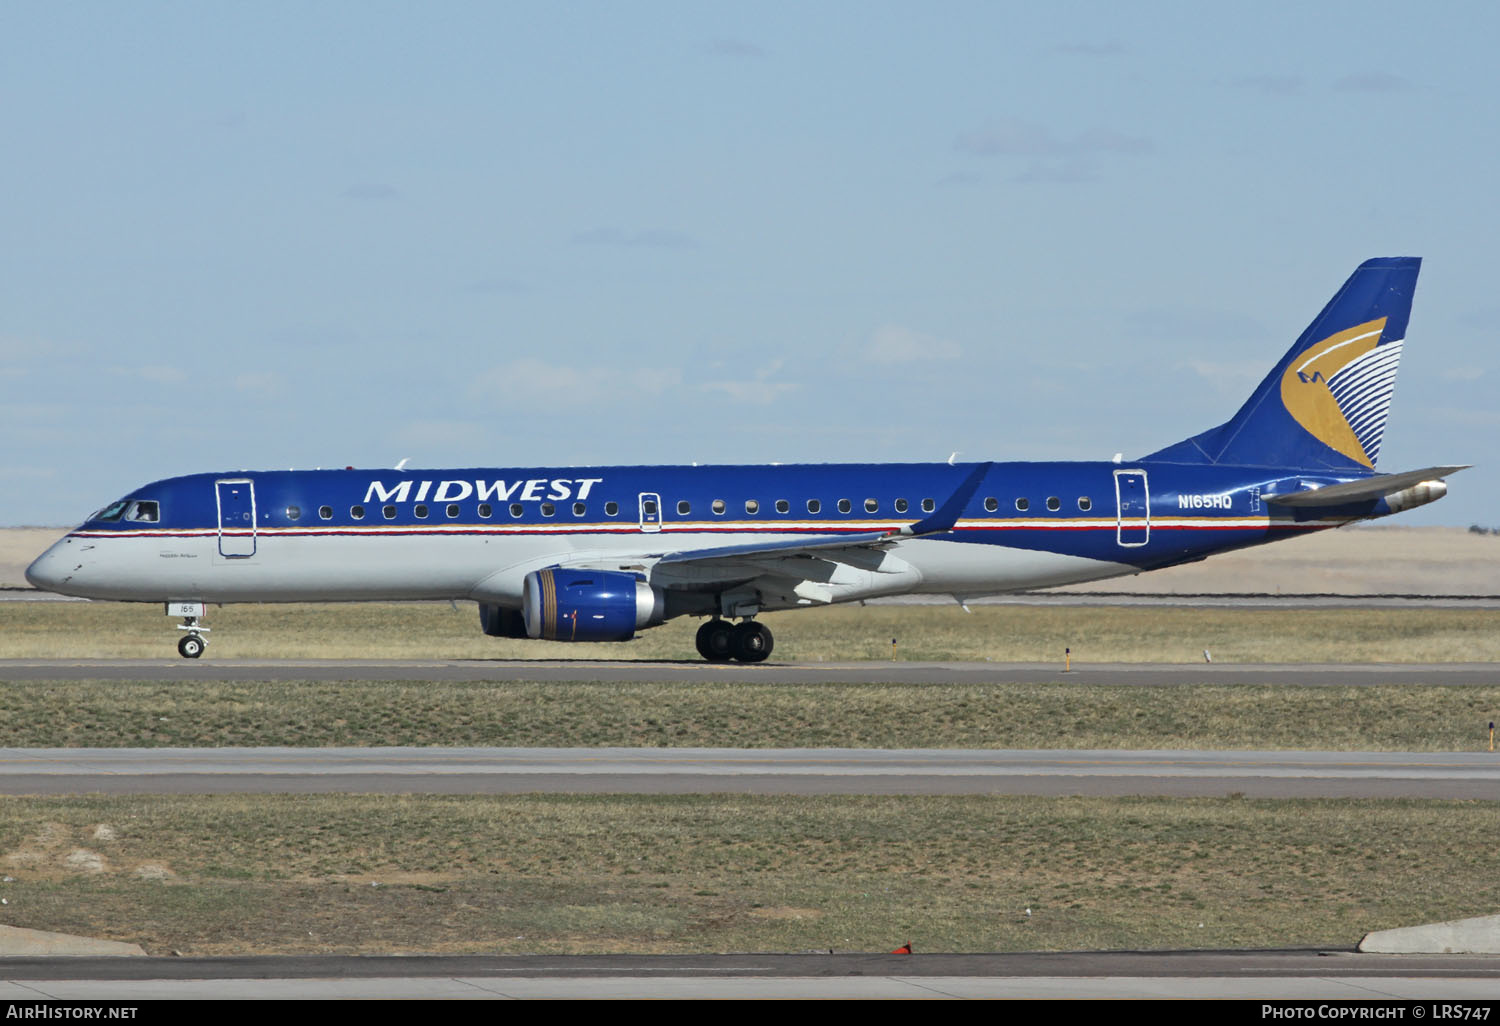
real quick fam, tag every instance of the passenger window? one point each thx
(294, 512)
(548, 509)
(814, 506)
(579, 509)
(871, 505)
(1085, 503)
(485, 511)
(1022, 505)
(684, 508)
(900, 505)
(991, 504)
(452, 511)
(845, 506)
(649, 507)
(782, 506)
(928, 506)
(611, 509)
(752, 507)
(357, 512)
(718, 507)
(389, 512)
(1054, 503)
(420, 511)
(325, 512)
(516, 509)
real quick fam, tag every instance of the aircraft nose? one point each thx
(50, 571)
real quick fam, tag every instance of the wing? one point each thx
(810, 570)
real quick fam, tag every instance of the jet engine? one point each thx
(588, 605)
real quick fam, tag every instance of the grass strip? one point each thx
(265, 874)
(110, 714)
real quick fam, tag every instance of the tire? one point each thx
(716, 641)
(752, 642)
(190, 647)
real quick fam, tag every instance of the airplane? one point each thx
(599, 553)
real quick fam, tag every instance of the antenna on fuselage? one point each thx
(953, 456)
(402, 464)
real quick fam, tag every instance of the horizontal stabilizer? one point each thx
(1375, 487)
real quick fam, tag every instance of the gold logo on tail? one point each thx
(1305, 387)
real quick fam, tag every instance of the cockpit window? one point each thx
(111, 512)
(145, 511)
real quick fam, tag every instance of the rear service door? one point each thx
(1133, 503)
(236, 499)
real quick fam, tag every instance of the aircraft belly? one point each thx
(966, 569)
(284, 569)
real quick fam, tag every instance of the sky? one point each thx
(269, 235)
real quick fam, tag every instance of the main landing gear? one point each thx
(720, 641)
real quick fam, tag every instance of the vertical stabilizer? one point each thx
(1325, 404)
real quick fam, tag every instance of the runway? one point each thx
(1277, 975)
(1467, 775)
(696, 671)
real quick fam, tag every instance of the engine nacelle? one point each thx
(501, 622)
(588, 605)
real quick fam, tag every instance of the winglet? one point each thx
(946, 516)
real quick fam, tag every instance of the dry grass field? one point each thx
(520, 713)
(602, 873)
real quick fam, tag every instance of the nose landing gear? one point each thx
(191, 644)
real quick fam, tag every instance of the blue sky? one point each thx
(270, 235)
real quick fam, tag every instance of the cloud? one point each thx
(533, 383)
(736, 48)
(497, 287)
(651, 238)
(1467, 418)
(1013, 137)
(1372, 82)
(1233, 377)
(759, 390)
(160, 375)
(1090, 49)
(1272, 85)
(891, 343)
(258, 383)
(1213, 326)
(370, 191)
(959, 179)
(1068, 172)
(439, 434)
